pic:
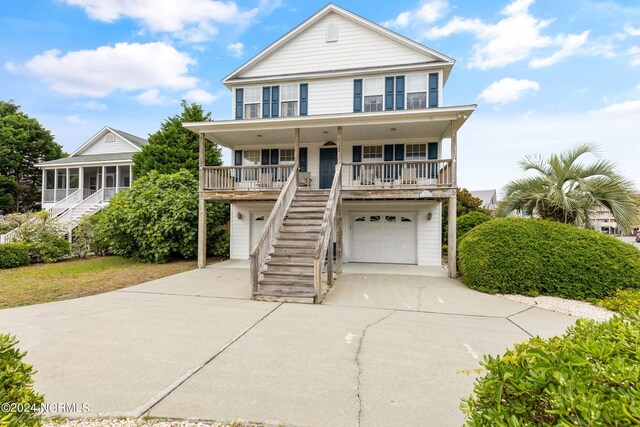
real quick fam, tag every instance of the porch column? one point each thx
(296, 153)
(104, 180)
(453, 204)
(117, 177)
(130, 176)
(67, 182)
(339, 141)
(81, 182)
(202, 207)
(44, 187)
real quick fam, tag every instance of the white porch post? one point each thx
(202, 207)
(117, 177)
(81, 182)
(103, 181)
(67, 182)
(453, 204)
(130, 176)
(296, 154)
(44, 187)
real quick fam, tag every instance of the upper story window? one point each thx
(416, 91)
(372, 153)
(416, 151)
(252, 102)
(373, 93)
(286, 155)
(251, 157)
(289, 99)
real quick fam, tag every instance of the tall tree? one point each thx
(173, 147)
(23, 143)
(565, 189)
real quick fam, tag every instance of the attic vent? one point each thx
(110, 138)
(332, 33)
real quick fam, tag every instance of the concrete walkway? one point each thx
(386, 348)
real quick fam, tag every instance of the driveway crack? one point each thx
(357, 361)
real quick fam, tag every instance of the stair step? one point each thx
(292, 264)
(290, 259)
(297, 276)
(308, 204)
(276, 295)
(284, 251)
(297, 235)
(285, 282)
(305, 215)
(288, 243)
(300, 228)
(306, 209)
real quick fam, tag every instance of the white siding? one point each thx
(240, 228)
(101, 146)
(429, 238)
(356, 47)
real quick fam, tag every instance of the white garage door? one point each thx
(384, 237)
(257, 225)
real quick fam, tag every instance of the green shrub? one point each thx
(43, 236)
(87, 239)
(533, 257)
(468, 221)
(622, 300)
(157, 219)
(590, 376)
(13, 255)
(16, 385)
(218, 243)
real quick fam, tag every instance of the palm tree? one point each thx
(566, 190)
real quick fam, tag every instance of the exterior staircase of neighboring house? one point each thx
(288, 273)
(68, 211)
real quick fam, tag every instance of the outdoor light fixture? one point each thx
(429, 216)
(239, 215)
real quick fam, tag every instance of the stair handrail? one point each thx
(65, 203)
(94, 199)
(261, 250)
(326, 233)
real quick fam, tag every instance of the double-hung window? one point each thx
(416, 91)
(373, 94)
(287, 156)
(250, 158)
(252, 102)
(416, 152)
(372, 153)
(289, 100)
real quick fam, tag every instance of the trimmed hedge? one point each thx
(16, 386)
(468, 221)
(14, 255)
(534, 257)
(590, 376)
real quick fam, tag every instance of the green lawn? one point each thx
(34, 284)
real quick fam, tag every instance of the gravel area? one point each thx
(138, 422)
(580, 309)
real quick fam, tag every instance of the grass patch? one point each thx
(35, 284)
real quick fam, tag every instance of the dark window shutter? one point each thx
(399, 152)
(266, 95)
(433, 90)
(275, 156)
(432, 151)
(388, 153)
(356, 157)
(265, 157)
(237, 161)
(275, 101)
(388, 93)
(357, 95)
(400, 93)
(239, 103)
(303, 159)
(304, 102)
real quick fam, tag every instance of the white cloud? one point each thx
(202, 96)
(508, 90)
(513, 38)
(91, 105)
(428, 12)
(236, 49)
(632, 31)
(622, 107)
(151, 97)
(634, 53)
(11, 67)
(126, 67)
(76, 120)
(191, 21)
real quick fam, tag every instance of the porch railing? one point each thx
(246, 177)
(64, 204)
(324, 247)
(398, 174)
(261, 250)
(72, 214)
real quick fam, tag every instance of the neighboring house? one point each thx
(489, 198)
(604, 221)
(337, 141)
(84, 182)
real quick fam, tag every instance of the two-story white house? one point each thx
(337, 142)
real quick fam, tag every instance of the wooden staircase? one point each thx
(288, 273)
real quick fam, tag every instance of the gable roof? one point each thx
(135, 141)
(489, 198)
(321, 14)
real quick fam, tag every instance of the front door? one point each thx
(328, 160)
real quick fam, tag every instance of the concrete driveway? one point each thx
(386, 348)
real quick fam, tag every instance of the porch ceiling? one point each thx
(391, 125)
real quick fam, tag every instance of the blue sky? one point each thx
(546, 74)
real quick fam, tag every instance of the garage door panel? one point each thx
(384, 238)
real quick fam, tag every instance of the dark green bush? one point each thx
(533, 257)
(157, 219)
(218, 242)
(468, 221)
(13, 255)
(43, 236)
(16, 385)
(48, 251)
(588, 377)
